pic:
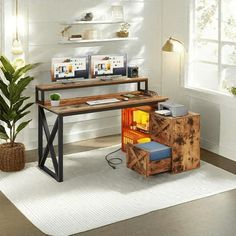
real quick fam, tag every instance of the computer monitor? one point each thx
(69, 68)
(108, 65)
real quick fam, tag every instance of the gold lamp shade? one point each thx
(173, 45)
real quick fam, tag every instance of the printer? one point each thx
(175, 109)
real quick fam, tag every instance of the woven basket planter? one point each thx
(12, 158)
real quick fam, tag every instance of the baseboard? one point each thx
(85, 135)
(219, 149)
(206, 144)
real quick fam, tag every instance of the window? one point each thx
(212, 62)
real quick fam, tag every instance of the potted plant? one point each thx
(13, 108)
(55, 99)
(232, 90)
(124, 30)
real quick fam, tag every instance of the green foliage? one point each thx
(233, 90)
(206, 11)
(12, 102)
(55, 96)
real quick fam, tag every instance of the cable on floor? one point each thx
(114, 161)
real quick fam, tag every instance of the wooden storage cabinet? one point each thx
(182, 134)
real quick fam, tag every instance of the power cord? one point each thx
(113, 162)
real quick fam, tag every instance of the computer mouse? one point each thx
(125, 99)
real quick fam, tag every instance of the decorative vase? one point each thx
(55, 103)
(12, 158)
(122, 34)
(88, 17)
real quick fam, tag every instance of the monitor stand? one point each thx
(110, 77)
(66, 81)
(105, 78)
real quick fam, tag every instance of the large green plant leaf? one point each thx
(3, 105)
(23, 70)
(20, 115)
(17, 89)
(4, 89)
(7, 65)
(12, 114)
(5, 120)
(26, 107)
(19, 103)
(7, 75)
(3, 133)
(21, 126)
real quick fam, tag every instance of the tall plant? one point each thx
(13, 106)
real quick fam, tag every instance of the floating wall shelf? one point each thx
(91, 22)
(96, 40)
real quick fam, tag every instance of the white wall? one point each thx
(42, 29)
(218, 112)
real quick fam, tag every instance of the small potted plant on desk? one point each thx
(55, 99)
(12, 109)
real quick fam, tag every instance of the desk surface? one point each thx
(74, 106)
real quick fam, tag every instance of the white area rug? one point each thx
(94, 195)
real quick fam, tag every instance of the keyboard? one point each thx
(102, 101)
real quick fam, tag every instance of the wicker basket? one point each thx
(12, 158)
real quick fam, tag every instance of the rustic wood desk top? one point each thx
(89, 83)
(74, 106)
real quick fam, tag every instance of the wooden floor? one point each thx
(215, 215)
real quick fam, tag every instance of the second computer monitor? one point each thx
(108, 65)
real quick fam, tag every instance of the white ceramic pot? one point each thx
(55, 103)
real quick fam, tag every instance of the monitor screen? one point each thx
(69, 68)
(105, 65)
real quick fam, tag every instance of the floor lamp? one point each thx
(175, 45)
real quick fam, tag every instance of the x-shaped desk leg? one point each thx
(44, 153)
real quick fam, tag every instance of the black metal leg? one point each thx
(57, 128)
(36, 95)
(49, 147)
(139, 86)
(42, 97)
(146, 85)
(40, 136)
(60, 148)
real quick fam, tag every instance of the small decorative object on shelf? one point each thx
(91, 34)
(75, 37)
(88, 17)
(117, 13)
(124, 30)
(65, 32)
(55, 99)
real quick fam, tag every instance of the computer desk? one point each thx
(77, 106)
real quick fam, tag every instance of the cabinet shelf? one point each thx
(96, 40)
